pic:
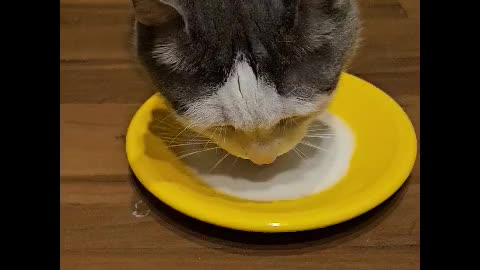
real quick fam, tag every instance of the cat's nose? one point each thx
(261, 156)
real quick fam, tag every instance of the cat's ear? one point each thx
(157, 12)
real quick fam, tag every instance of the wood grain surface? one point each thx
(101, 87)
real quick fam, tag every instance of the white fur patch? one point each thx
(247, 103)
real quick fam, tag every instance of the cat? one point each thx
(251, 75)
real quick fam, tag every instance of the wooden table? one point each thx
(100, 90)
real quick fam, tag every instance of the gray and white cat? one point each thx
(261, 70)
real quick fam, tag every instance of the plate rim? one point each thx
(399, 178)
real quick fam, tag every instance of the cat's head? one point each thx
(249, 74)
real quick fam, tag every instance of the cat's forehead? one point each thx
(216, 31)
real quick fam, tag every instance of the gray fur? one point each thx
(296, 47)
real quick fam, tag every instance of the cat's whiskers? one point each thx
(163, 128)
(289, 121)
(185, 144)
(165, 121)
(295, 149)
(301, 152)
(225, 135)
(222, 129)
(186, 127)
(199, 133)
(212, 136)
(319, 129)
(181, 139)
(166, 125)
(318, 123)
(185, 151)
(319, 136)
(313, 146)
(168, 133)
(220, 161)
(172, 130)
(171, 133)
(165, 118)
(196, 152)
(320, 132)
(234, 162)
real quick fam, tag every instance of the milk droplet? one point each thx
(140, 209)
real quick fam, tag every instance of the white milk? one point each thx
(290, 176)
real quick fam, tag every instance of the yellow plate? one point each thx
(384, 155)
